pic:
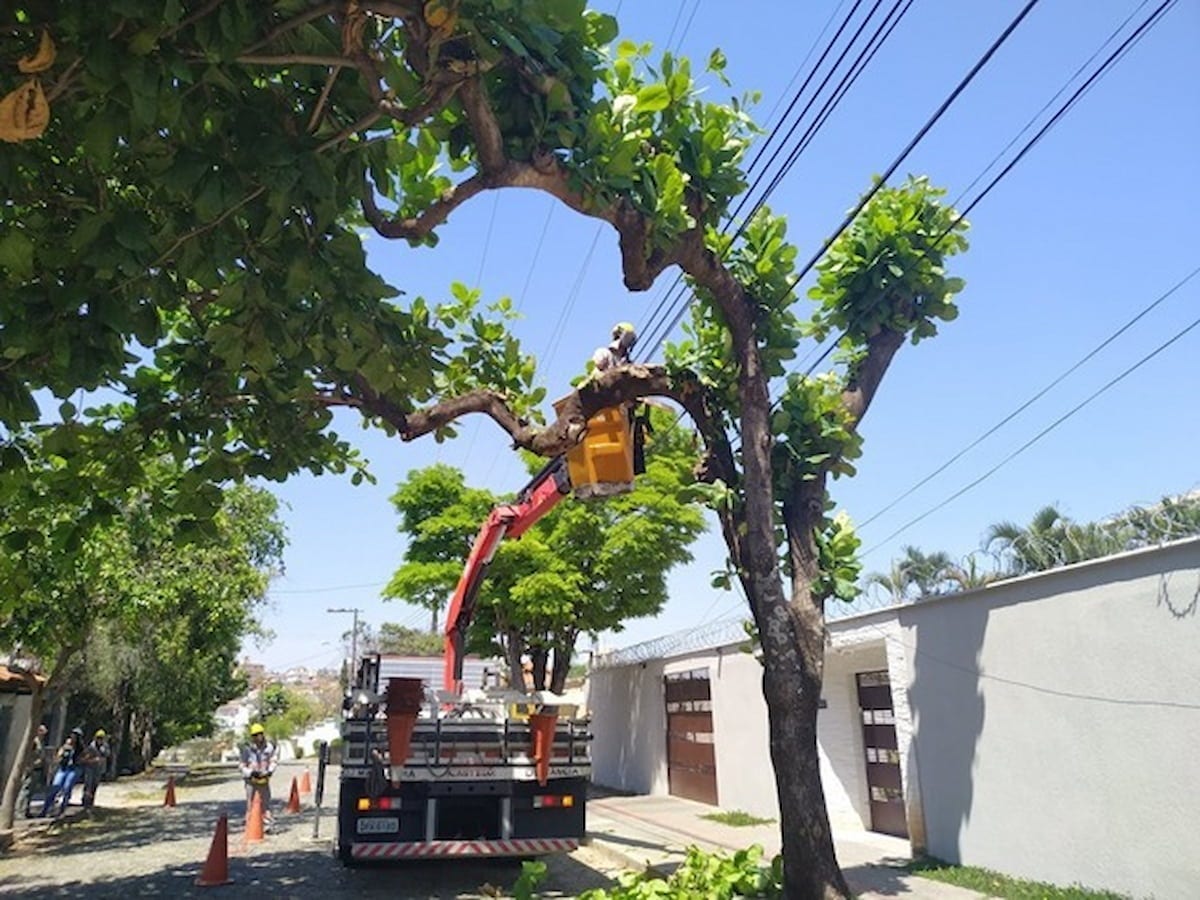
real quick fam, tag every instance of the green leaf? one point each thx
(653, 98)
(16, 254)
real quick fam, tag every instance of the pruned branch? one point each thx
(881, 348)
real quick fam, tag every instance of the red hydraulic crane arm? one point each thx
(509, 520)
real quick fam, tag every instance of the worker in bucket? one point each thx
(259, 759)
(616, 352)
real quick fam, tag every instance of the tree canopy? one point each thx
(184, 234)
(586, 567)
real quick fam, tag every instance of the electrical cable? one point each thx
(1037, 396)
(675, 24)
(687, 26)
(1037, 437)
(666, 302)
(1078, 94)
(654, 334)
(537, 252)
(916, 139)
(576, 288)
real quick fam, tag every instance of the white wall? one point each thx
(1058, 723)
(18, 708)
(629, 728)
(629, 724)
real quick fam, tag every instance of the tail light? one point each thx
(549, 801)
(366, 804)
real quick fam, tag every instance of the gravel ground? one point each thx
(132, 846)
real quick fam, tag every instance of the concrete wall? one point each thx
(629, 724)
(1057, 722)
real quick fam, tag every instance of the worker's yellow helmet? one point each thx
(624, 336)
(100, 732)
(256, 728)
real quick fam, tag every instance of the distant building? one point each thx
(234, 716)
(16, 702)
(256, 673)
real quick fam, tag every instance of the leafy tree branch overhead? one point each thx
(185, 233)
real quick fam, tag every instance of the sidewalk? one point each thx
(655, 831)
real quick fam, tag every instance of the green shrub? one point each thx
(709, 875)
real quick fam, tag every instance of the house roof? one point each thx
(15, 681)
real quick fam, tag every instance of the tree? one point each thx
(195, 196)
(405, 641)
(586, 567)
(171, 604)
(926, 574)
(439, 516)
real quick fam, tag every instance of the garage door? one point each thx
(691, 754)
(883, 757)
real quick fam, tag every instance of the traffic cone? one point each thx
(293, 804)
(254, 819)
(169, 799)
(542, 726)
(216, 867)
(305, 783)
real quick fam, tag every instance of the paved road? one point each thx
(131, 846)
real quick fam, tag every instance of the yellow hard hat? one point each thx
(256, 728)
(100, 732)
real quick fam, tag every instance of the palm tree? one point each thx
(1052, 540)
(1033, 548)
(969, 574)
(916, 574)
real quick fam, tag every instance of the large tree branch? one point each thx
(624, 384)
(881, 348)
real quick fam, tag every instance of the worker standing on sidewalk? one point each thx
(258, 765)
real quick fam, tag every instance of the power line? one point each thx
(666, 302)
(1113, 58)
(572, 297)
(1037, 396)
(537, 251)
(933, 120)
(1037, 437)
(675, 24)
(655, 332)
(687, 26)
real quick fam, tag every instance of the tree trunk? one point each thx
(22, 761)
(513, 654)
(564, 652)
(792, 636)
(538, 656)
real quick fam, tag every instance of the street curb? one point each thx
(623, 858)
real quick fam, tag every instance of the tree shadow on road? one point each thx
(314, 873)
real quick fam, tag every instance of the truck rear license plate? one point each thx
(385, 825)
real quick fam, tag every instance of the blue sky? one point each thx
(1090, 228)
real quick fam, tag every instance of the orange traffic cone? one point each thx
(305, 783)
(254, 819)
(169, 799)
(293, 804)
(216, 867)
(542, 725)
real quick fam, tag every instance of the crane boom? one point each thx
(536, 499)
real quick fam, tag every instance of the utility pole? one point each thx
(353, 638)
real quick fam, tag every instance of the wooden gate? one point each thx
(691, 753)
(883, 757)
